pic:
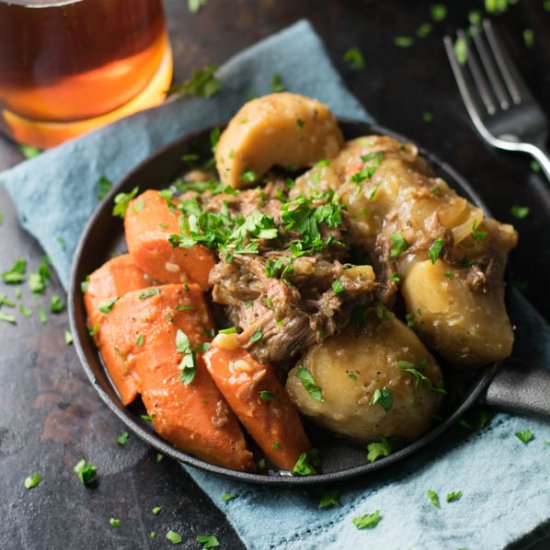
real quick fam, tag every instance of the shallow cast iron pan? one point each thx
(514, 388)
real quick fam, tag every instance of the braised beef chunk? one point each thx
(295, 290)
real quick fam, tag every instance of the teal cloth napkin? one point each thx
(505, 484)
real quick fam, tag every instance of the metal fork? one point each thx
(497, 99)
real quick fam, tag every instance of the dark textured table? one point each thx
(50, 416)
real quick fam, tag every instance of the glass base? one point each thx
(49, 134)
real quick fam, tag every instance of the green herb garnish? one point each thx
(188, 365)
(434, 497)
(403, 41)
(122, 439)
(104, 185)
(277, 85)
(85, 471)
(461, 50)
(148, 293)
(207, 541)
(453, 496)
(57, 305)
(258, 335)
(226, 497)
(107, 305)
(267, 395)
(378, 449)
(525, 436)
(353, 58)
(308, 382)
(68, 338)
(384, 397)
(329, 500)
(122, 200)
(174, 537)
(368, 521)
(32, 481)
(201, 83)
(114, 522)
(438, 11)
(436, 249)
(398, 245)
(337, 286)
(303, 466)
(16, 274)
(476, 233)
(519, 212)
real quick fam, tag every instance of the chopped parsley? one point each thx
(29, 151)
(194, 6)
(461, 50)
(424, 30)
(403, 41)
(277, 85)
(174, 537)
(519, 212)
(25, 311)
(398, 245)
(7, 318)
(525, 436)
(427, 117)
(438, 11)
(139, 340)
(159, 457)
(368, 521)
(329, 500)
(453, 496)
(16, 274)
(207, 541)
(476, 233)
(249, 176)
(37, 285)
(258, 335)
(32, 481)
(497, 6)
(201, 83)
(43, 318)
(476, 422)
(122, 439)
(85, 471)
(474, 17)
(378, 449)
(148, 293)
(394, 278)
(226, 497)
(337, 286)
(156, 510)
(84, 284)
(5, 301)
(114, 522)
(1, 218)
(535, 167)
(57, 305)
(436, 249)
(300, 123)
(106, 306)
(308, 382)
(417, 372)
(188, 365)
(147, 418)
(528, 37)
(352, 376)
(353, 58)
(383, 397)
(230, 330)
(104, 185)
(372, 163)
(185, 308)
(122, 200)
(434, 497)
(68, 338)
(138, 206)
(267, 395)
(303, 466)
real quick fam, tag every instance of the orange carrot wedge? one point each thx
(111, 281)
(258, 399)
(148, 223)
(155, 330)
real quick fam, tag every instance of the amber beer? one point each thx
(63, 63)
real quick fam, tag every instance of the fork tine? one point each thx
(489, 66)
(478, 77)
(515, 84)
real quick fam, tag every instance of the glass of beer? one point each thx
(69, 66)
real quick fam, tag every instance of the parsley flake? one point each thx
(122, 439)
(201, 83)
(383, 397)
(104, 185)
(378, 449)
(7, 318)
(519, 212)
(148, 293)
(453, 496)
(267, 395)
(424, 30)
(434, 497)
(461, 50)
(207, 541)
(194, 6)
(353, 58)
(394, 278)
(525, 436)
(139, 340)
(156, 510)
(68, 338)
(476, 233)
(435, 249)
(528, 37)
(57, 305)
(42, 317)
(277, 85)
(368, 521)
(188, 366)
(226, 497)
(249, 176)
(337, 286)
(258, 335)
(427, 117)
(32, 481)
(174, 537)
(303, 466)
(85, 471)
(308, 382)
(438, 11)
(29, 151)
(398, 245)
(403, 41)
(114, 522)
(329, 500)
(16, 274)
(417, 372)
(122, 200)
(107, 305)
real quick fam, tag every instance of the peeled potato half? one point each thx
(278, 129)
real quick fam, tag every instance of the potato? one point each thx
(351, 367)
(278, 129)
(468, 328)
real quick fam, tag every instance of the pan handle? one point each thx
(519, 387)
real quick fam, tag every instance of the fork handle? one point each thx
(541, 156)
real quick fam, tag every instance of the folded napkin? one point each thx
(505, 483)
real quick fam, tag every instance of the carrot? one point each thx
(155, 329)
(148, 223)
(112, 280)
(258, 399)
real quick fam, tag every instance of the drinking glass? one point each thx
(69, 66)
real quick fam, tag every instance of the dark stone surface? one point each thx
(50, 416)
